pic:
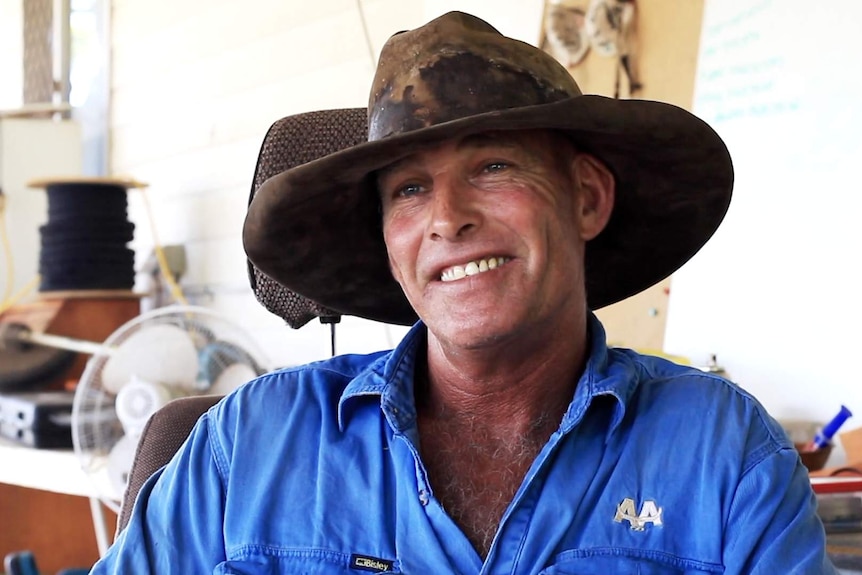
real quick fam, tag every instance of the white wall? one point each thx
(195, 86)
(776, 293)
(521, 20)
(59, 152)
(11, 53)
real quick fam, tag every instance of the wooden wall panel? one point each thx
(57, 528)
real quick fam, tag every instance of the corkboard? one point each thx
(667, 42)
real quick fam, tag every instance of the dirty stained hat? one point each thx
(316, 228)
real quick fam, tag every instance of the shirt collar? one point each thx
(607, 372)
(390, 378)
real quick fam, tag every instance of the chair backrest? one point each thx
(164, 433)
(290, 141)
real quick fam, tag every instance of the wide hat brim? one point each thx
(316, 228)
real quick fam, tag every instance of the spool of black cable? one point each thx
(83, 243)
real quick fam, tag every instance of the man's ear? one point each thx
(596, 188)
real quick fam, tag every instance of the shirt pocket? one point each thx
(620, 562)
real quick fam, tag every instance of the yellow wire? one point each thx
(8, 303)
(176, 291)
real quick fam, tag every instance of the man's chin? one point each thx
(472, 333)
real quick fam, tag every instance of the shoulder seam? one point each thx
(216, 448)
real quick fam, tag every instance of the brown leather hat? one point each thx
(316, 228)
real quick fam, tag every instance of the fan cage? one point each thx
(96, 427)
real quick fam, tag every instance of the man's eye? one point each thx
(496, 166)
(408, 190)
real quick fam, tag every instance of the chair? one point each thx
(162, 436)
(289, 142)
(292, 141)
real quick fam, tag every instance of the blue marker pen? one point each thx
(824, 436)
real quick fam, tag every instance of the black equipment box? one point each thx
(41, 419)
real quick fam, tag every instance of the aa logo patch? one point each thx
(649, 513)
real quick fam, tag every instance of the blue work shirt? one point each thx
(655, 469)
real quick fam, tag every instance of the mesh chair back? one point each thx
(292, 141)
(164, 433)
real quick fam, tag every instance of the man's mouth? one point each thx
(472, 268)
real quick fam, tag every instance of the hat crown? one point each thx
(454, 67)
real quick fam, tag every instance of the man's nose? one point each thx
(453, 211)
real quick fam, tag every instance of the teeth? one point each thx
(471, 268)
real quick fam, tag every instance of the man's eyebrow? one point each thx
(393, 167)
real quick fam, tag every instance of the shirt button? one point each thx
(423, 497)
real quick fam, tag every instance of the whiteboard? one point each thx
(777, 293)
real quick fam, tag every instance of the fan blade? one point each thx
(232, 377)
(119, 465)
(160, 353)
(219, 355)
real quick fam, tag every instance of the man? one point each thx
(502, 435)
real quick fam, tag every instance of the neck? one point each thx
(484, 415)
(523, 387)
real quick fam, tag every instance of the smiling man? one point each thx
(486, 236)
(498, 206)
(503, 202)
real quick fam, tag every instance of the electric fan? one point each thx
(161, 355)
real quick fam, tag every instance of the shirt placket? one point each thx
(427, 539)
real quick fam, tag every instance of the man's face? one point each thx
(484, 235)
